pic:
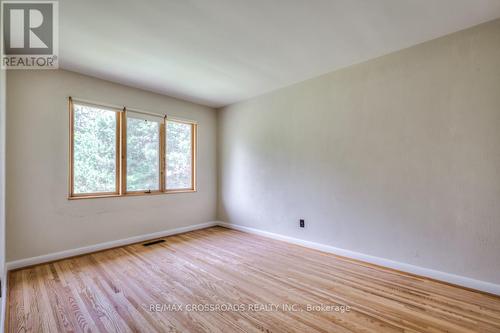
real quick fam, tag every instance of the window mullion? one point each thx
(162, 155)
(193, 156)
(123, 152)
(71, 147)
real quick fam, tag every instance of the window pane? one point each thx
(143, 155)
(179, 155)
(94, 150)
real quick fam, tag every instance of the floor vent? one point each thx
(154, 242)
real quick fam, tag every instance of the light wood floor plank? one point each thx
(113, 290)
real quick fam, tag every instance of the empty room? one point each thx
(250, 166)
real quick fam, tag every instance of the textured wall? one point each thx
(397, 157)
(40, 219)
(2, 170)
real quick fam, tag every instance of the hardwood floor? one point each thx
(269, 285)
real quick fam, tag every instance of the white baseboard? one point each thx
(421, 271)
(103, 246)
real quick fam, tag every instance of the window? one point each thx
(94, 150)
(143, 153)
(118, 152)
(179, 155)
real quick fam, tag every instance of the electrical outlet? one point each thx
(302, 223)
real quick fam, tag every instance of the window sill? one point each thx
(131, 194)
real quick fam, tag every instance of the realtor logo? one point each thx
(29, 34)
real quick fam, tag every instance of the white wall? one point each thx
(398, 157)
(40, 219)
(2, 169)
(2, 190)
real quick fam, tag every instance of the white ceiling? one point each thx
(217, 52)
